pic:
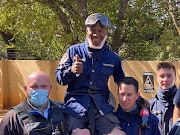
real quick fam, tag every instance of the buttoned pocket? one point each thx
(107, 69)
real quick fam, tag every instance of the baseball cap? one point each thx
(93, 18)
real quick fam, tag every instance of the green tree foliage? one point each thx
(44, 29)
(148, 28)
(36, 29)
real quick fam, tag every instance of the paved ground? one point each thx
(2, 113)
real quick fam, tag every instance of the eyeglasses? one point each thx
(92, 20)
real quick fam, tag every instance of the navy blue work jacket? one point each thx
(130, 121)
(176, 100)
(98, 66)
(176, 128)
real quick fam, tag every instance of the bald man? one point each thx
(37, 114)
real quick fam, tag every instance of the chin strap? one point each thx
(99, 46)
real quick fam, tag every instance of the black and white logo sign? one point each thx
(148, 82)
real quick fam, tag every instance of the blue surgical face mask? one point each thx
(39, 97)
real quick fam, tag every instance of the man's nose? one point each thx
(165, 78)
(124, 98)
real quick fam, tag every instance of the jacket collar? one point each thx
(45, 112)
(127, 115)
(166, 96)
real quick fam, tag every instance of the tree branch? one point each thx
(117, 34)
(82, 8)
(55, 5)
(171, 11)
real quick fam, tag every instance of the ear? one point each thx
(86, 29)
(118, 95)
(50, 90)
(118, 91)
(25, 88)
(138, 95)
(156, 77)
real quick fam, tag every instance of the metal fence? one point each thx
(50, 54)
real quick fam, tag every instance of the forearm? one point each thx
(176, 114)
(63, 77)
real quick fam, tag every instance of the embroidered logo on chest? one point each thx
(108, 65)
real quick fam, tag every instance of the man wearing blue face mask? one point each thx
(37, 114)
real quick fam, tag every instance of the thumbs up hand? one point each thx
(77, 68)
(77, 58)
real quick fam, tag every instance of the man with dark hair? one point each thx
(86, 69)
(162, 104)
(166, 65)
(37, 115)
(129, 113)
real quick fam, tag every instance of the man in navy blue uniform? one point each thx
(86, 69)
(128, 110)
(176, 115)
(162, 104)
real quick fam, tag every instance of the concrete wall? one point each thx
(13, 76)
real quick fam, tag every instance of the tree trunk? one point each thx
(82, 8)
(117, 42)
(56, 6)
(171, 11)
(7, 37)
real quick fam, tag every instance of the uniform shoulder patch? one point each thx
(64, 58)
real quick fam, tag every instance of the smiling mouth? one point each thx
(124, 104)
(165, 85)
(96, 39)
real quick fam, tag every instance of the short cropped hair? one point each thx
(128, 81)
(166, 65)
